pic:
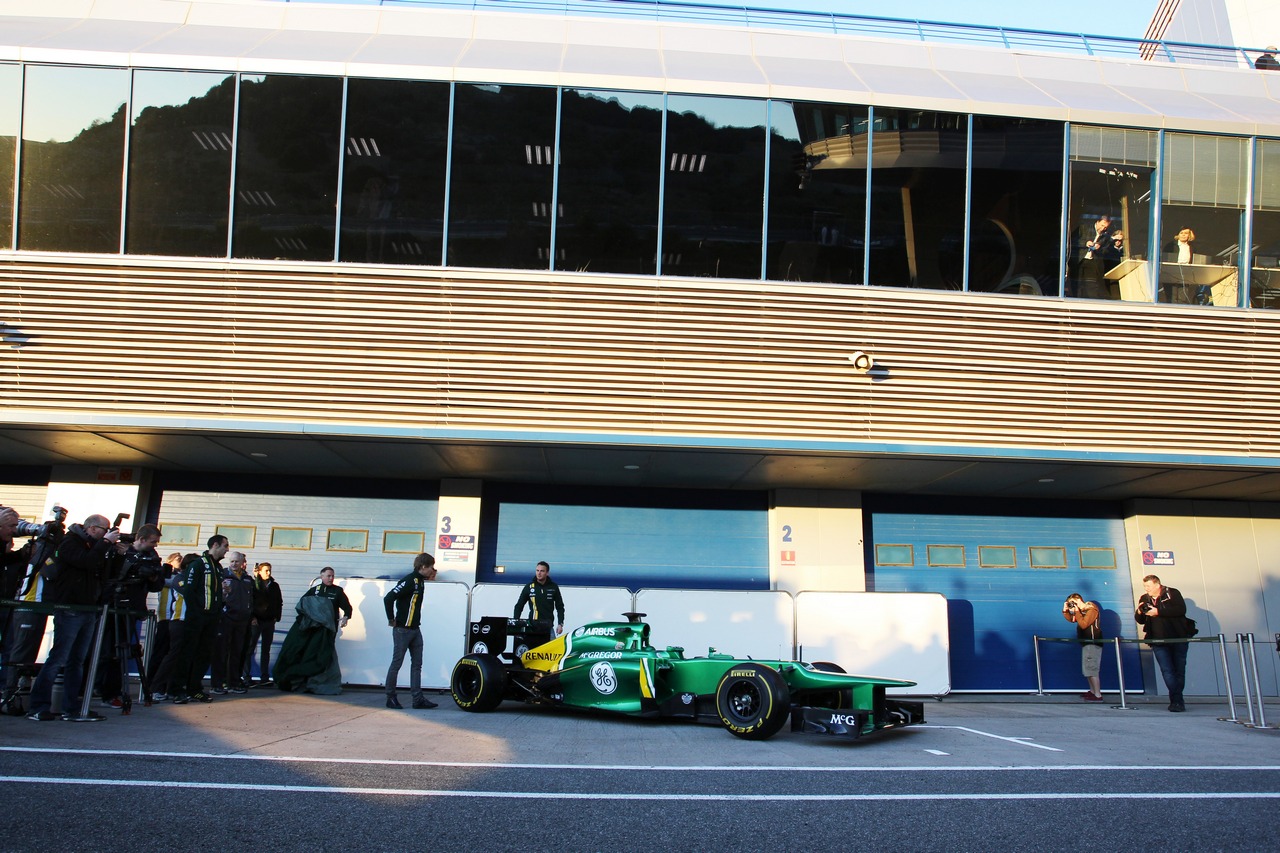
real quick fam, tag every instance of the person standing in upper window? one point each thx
(542, 595)
(1268, 61)
(1089, 245)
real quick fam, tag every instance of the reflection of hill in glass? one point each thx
(70, 198)
(287, 167)
(180, 174)
(288, 145)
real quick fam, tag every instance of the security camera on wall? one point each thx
(861, 361)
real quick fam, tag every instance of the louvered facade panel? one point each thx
(439, 351)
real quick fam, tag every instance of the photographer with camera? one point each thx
(1162, 613)
(76, 576)
(26, 630)
(140, 573)
(1085, 615)
(11, 564)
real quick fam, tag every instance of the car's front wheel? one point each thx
(753, 701)
(478, 683)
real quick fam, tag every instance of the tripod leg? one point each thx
(121, 627)
(140, 656)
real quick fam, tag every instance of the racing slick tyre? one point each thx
(833, 699)
(753, 701)
(478, 683)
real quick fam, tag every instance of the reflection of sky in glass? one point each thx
(170, 88)
(61, 102)
(10, 99)
(627, 100)
(720, 112)
(782, 120)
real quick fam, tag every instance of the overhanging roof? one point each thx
(232, 454)
(485, 46)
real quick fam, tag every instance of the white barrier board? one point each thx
(747, 623)
(365, 645)
(887, 634)
(582, 604)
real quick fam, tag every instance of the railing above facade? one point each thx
(871, 26)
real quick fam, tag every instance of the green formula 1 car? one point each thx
(610, 666)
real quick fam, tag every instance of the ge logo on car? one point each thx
(480, 648)
(603, 678)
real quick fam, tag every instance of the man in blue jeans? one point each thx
(80, 567)
(404, 615)
(1162, 613)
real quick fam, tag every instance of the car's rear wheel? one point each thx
(753, 701)
(478, 682)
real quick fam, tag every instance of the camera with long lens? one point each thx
(28, 528)
(1070, 605)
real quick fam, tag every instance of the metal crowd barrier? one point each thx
(104, 611)
(1248, 665)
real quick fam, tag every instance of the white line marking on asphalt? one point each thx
(627, 795)
(672, 768)
(936, 752)
(1020, 741)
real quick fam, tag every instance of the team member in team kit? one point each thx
(542, 595)
(200, 585)
(404, 615)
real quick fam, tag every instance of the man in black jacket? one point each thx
(80, 565)
(141, 573)
(404, 615)
(543, 597)
(1162, 613)
(268, 607)
(200, 585)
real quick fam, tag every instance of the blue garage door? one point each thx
(634, 538)
(1005, 572)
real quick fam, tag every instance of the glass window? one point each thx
(1112, 182)
(500, 194)
(10, 116)
(946, 555)
(1097, 558)
(713, 209)
(393, 178)
(180, 163)
(918, 198)
(1202, 221)
(173, 534)
(287, 167)
(72, 159)
(403, 541)
(347, 540)
(1264, 288)
(1048, 558)
(610, 169)
(291, 538)
(817, 192)
(238, 535)
(895, 555)
(1015, 214)
(997, 557)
